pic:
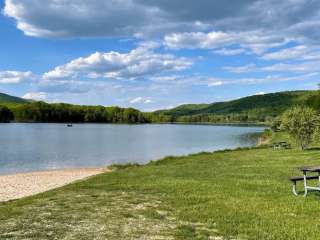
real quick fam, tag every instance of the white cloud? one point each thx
(164, 79)
(257, 41)
(275, 78)
(231, 52)
(308, 66)
(194, 40)
(140, 62)
(211, 82)
(82, 18)
(242, 69)
(215, 83)
(300, 52)
(180, 81)
(139, 100)
(14, 77)
(288, 53)
(118, 18)
(304, 66)
(39, 96)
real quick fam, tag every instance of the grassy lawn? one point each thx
(241, 194)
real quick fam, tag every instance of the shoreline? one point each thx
(19, 185)
(242, 124)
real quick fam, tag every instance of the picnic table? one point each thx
(281, 145)
(305, 178)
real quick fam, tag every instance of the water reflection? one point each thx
(29, 147)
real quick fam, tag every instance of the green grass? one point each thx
(241, 194)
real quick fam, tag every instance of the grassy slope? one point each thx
(243, 194)
(271, 104)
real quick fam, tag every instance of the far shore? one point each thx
(19, 185)
(244, 124)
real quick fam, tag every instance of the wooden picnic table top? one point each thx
(310, 169)
(281, 143)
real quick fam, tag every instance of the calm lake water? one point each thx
(32, 147)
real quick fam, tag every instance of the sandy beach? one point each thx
(20, 185)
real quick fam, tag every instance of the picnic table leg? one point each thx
(305, 184)
(294, 189)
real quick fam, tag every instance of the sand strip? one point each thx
(26, 184)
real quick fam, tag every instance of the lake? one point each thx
(33, 147)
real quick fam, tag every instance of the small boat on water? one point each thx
(69, 125)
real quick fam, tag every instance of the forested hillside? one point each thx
(61, 112)
(258, 108)
(5, 98)
(21, 110)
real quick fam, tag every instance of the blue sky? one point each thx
(152, 54)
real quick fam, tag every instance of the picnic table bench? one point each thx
(305, 178)
(281, 145)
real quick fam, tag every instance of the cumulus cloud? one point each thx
(215, 83)
(193, 40)
(138, 100)
(39, 96)
(118, 18)
(231, 52)
(256, 41)
(77, 18)
(81, 18)
(140, 62)
(14, 77)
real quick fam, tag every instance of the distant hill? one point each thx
(7, 99)
(252, 109)
(271, 105)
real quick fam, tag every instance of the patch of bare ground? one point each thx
(103, 215)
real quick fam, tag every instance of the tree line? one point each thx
(62, 113)
(245, 117)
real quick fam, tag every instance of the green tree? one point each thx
(5, 114)
(275, 124)
(300, 122)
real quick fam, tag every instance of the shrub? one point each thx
(300, 122)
